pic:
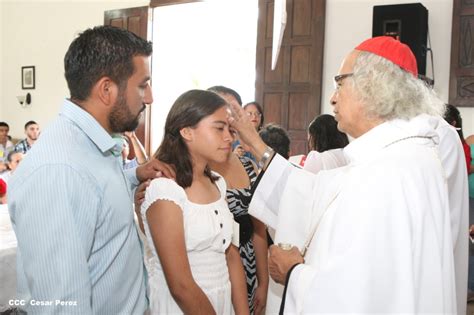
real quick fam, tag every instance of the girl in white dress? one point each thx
(194, 268)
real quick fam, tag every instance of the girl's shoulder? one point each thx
(164, 189)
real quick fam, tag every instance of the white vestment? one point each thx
(316, 161)
(454, 163)
(383, 241)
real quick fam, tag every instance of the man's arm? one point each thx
(54, 212)
(140, 153)
(150, 170)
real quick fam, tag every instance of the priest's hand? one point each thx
(153, 169)
(248, 135)
(280, 262)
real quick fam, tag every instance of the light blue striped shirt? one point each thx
(71, 207)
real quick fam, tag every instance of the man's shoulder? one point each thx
(395, 161)
(62, 134)
(61, 143)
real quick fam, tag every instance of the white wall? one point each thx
(38, 33)
(349, 22)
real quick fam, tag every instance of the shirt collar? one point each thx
(389, 132)
(90, 126)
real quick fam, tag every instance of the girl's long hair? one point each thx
(187, 111)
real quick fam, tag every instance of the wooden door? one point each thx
(461, 81)
(136, 21)
(291, 94)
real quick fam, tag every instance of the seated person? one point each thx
(5, 145)
(32, 132)
(13, 160)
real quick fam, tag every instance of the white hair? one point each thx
(388, 92)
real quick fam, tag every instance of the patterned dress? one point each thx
(239, 200)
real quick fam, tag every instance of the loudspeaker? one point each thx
(407, 23)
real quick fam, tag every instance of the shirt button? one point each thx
(221, 225)
(223, 241)
(216, 212)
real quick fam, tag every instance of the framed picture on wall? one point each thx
(28, 77)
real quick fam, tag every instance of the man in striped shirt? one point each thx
(70, 201)
(32, 132)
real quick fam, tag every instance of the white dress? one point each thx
(208, 230)
(316, 161)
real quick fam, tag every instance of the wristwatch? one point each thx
(266, 158)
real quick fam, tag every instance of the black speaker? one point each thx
(407, 23)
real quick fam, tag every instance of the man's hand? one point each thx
(280, 262)
(139, 198)
(153, 169)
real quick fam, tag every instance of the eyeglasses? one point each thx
(255, 114)
(338, 79)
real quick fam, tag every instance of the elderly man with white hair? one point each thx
(374, 236)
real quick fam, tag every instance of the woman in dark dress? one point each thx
(239, 174)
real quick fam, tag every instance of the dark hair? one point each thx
(453, 117)
(260, 110)
(11, 154)
(31, 122)
(225, 90)
(276, 138)
(4, 124)
(98, 52)
(324, 134)
(187, 111)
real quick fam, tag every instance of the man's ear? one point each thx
(106, 90)
(187, 134)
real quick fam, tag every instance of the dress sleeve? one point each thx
(163, 189)
(313, 162)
